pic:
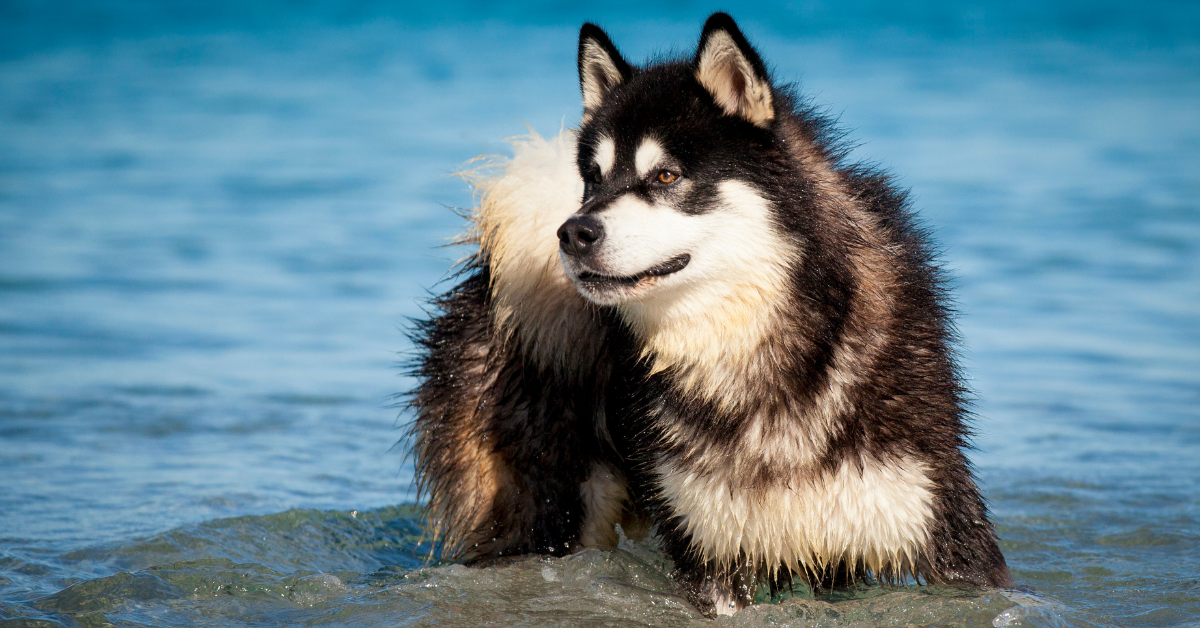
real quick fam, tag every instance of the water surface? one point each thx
(216, 220)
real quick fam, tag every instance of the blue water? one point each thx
(215, 221)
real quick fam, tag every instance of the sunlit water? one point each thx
(214, 222)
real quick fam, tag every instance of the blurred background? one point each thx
(217, 217)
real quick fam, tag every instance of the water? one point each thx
(214, 221)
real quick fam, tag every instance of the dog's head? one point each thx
(678, 160)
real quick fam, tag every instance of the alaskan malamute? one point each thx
(693, 315)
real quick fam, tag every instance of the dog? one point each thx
(693, 316)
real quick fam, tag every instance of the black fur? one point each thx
(478, 391)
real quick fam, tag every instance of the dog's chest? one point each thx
(877, 513)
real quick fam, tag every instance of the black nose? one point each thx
(579, 235)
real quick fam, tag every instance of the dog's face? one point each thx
(676, 161)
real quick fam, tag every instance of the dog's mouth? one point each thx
(596, 281)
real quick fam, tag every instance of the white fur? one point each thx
(878, 517)
(639, 235)
(726, 73)
(516, 220)
(649, 157)
(712, 316)
(709, 318)
(606, 154)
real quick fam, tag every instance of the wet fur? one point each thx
(510, 440)
(804, 420)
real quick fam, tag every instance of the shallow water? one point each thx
(214, 222)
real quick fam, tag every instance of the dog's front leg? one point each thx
(715, 588)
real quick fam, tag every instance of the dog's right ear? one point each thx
(731, 70)
(601, 67)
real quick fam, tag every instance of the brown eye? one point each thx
(666, 176)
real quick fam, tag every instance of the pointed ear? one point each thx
(729, 68)
(601, 67)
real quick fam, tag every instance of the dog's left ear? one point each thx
(730, 69)
(601, 67)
